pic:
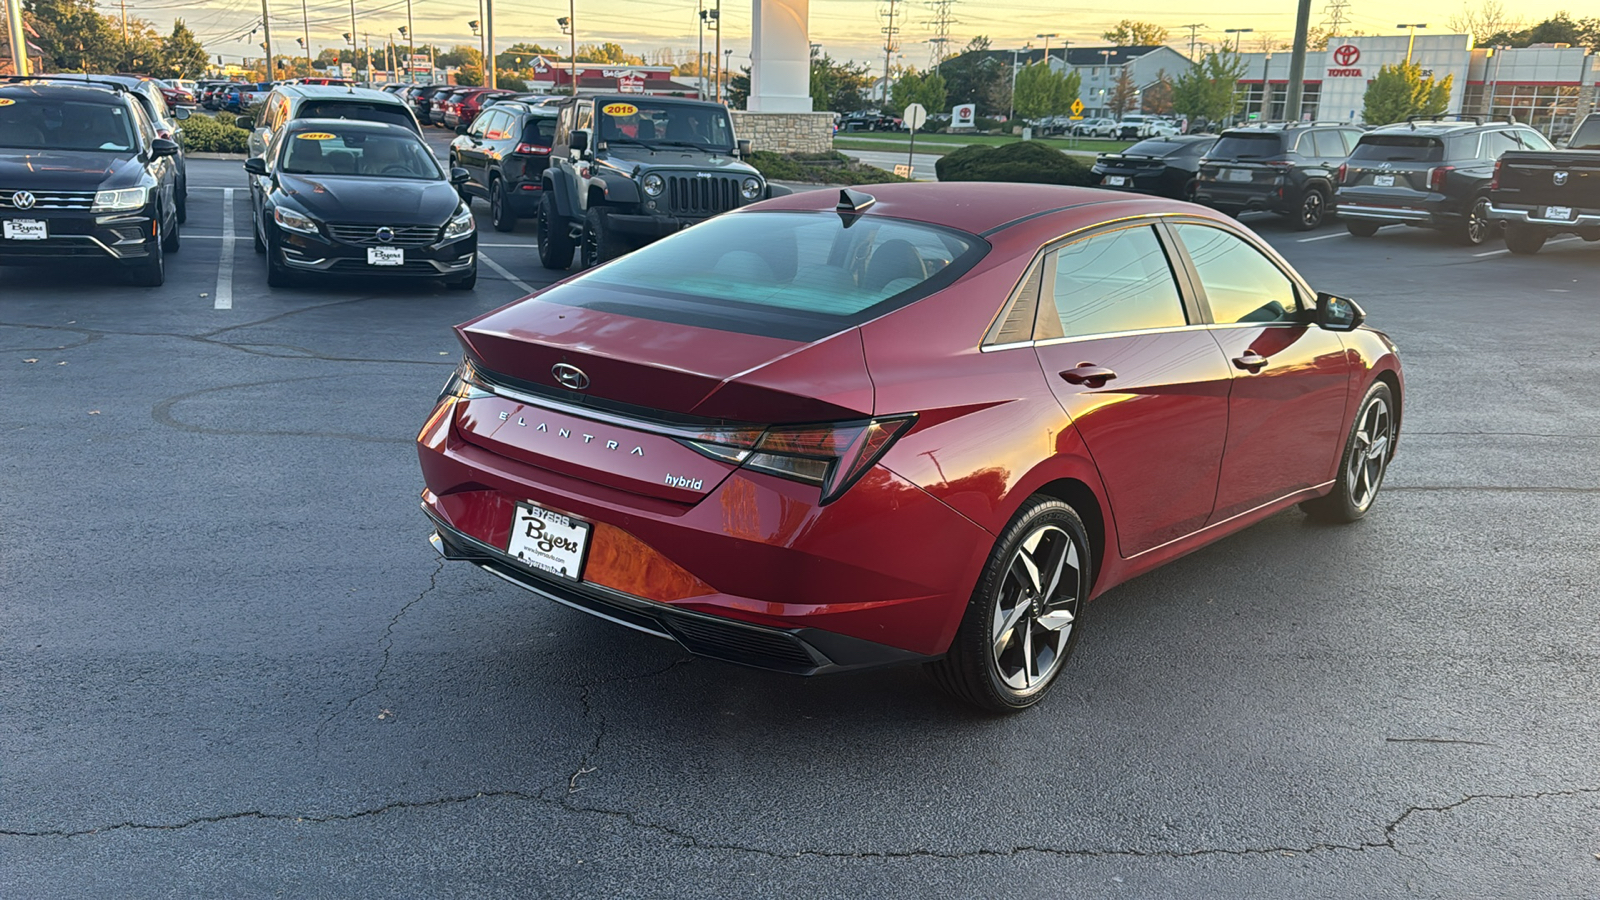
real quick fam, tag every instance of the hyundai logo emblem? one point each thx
(385, 234)
(22, 200)
(570, 376)
(1559, 178)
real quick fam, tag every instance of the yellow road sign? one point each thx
(1077, 107)
(1077, 118)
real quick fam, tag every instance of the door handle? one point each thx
(1251, 362)
(1089, 375)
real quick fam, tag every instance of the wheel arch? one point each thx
(1086, 503)
(1391, 377)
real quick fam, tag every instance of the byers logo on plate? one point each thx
(316, 136)
(619, 109)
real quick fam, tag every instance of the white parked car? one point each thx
(1094, 128)
(1136, 126)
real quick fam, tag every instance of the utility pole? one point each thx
(305, 23)
(19, 38)
(700, 55)
(366, 37)
(718, 13)
(888, 49)
(1297, 63)
(572, 54)
(353, 38)
(411, 47)
(266, 28)
(1193, 31)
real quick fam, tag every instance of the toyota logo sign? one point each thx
(22, 200)
(1347, 55)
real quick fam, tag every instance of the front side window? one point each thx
(665, 124)
(1121, 281)
(1240, 284)
(30, 123)
(358, 153)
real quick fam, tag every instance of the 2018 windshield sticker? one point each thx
(6, 101)
(619, 109)
(316, 136)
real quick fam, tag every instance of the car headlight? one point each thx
(293, 221)
(654, 185)
(460, 225)
(124, 200)
(751, 188)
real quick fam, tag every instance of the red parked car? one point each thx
(915, 422)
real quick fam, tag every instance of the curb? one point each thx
(236, 156)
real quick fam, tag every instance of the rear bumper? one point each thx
(1221, 195)
(1528, 215)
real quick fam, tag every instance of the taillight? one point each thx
(1494, 180)
(1437, 175)
(833, 456)
(532, 149)
(1279, 163)
(1344, 168)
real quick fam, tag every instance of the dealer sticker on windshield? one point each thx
(316, 136)
(6, 101)
(619, 109)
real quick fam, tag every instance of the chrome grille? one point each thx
(367, 235)
(699, 196)
(48, 199)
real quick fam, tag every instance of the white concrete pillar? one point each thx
(780, 56)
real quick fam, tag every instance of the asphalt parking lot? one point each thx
(233, 667)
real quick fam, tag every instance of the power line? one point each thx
(1193, 31)
(942, 19)
(1334, 16)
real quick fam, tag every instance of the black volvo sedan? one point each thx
(1164, 166)
(344, 197)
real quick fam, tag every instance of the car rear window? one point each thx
(791, 275)
(1159, 147)
(540, 131)
(1247, 146)
(361, 112)
(1398, 148)
(1587, 137)
(30, 123)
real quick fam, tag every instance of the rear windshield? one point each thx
(361, 112)
(359, 153)
(1587, 137)
(791, 275)
(541, 131)
(29, 123)
(1398, 148)
(1158, 147)
(1247, 146)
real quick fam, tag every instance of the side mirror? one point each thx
(163, 147)
(1338, 313)
(181, 113)
(463, 129)
(744, 149)
(579, 142)
(459, 176)
(255, 165)
(245, 122)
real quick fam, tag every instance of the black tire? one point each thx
(465, 283)
(278, 274)
(1475, 226)
(183, 203)
(600, 243)
(255, 234)
(500, 207)
(1361, 228)
(555, 243)
(1524, 240)
(1363, 463)
(974, 670)
(173, 239)
(152, 270)
(1312, 210)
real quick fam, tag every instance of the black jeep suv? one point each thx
(625, 170)
(1287, 169)
(84, 175)
(1429, 173)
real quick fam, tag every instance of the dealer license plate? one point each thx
(1558, 213)
(1116, 180)
(26, 230)
(1383, 180)
(386, 256)
(1238, 175)
(548, 540)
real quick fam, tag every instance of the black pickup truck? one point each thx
(1539, 194)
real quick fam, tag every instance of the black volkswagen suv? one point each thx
(83, 175)
(1429, 173)
(1288, 169)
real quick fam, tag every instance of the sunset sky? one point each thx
(846, 28)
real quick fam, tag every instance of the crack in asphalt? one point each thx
(584, 759)
(162, 414)
(387, 643)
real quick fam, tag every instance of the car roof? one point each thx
(336, 92)
(92, 93)
(1438, 127)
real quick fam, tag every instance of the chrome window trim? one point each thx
(1079, 338)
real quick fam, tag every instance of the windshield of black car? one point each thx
(1398, 148)
(1587, 137)
(670, 124)
(361, 111)
(33, 123)
(1247, 146)
(363, 154)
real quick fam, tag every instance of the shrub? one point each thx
(214, 134)
(817, 168)
(1025, 161)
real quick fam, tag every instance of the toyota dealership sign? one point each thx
(1345, 58)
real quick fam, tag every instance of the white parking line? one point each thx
(483, 258)
(225, 260)
(1323, 237)
(1559, 240)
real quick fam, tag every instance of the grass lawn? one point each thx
(939, 144)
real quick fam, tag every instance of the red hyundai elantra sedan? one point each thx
(915, 422)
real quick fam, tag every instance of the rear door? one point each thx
(1141, 377)
(1290, 377)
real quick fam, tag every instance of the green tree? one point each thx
(464, 55)
(1129, 33)
(607, 52)
(935, 92)
(737, 92)
(1124, 93)
(182, 56)
(973, 77)
(74, 36)
(838, 86)
(470, 76)
(1042, 91)
(1210, 89)
(1157, 98)
(1401, 90)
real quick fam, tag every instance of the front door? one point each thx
(1144, 382)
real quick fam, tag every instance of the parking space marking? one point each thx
(1559, 240)
(504, 273)
(1322, 237)
(224, 293)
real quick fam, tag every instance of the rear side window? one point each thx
(1247, 146)
(1587, 137)
(797, 276)
(1398, 148)
(1240, 284)
(1498, 142)
(1109, 283)
(361, 112)
(1329, 145)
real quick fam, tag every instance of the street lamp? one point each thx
(405, 32)
(1413, 41)
(1012, 112)
(1236, 40)
(1047, 38)
(569, 27)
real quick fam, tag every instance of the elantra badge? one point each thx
(22, 200)
(1560, 178)
(570, 376)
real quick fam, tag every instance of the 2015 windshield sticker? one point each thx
(316, 136)
(6, 101)
(619, 109)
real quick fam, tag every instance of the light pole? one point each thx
(491, 77)
(700, 52)
(1047, 38)
(1236, 32)
(1012, 112)
(351, 37)
(305, 25)
(1105, 60)
(405, 32)
(1413, 40)
(1499, 51)
(568, 28)
(1266, 88)
(477, 32)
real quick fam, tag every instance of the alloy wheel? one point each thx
(1311, 209)
(1033, 616)
(1478, 222)
(1369, 457)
